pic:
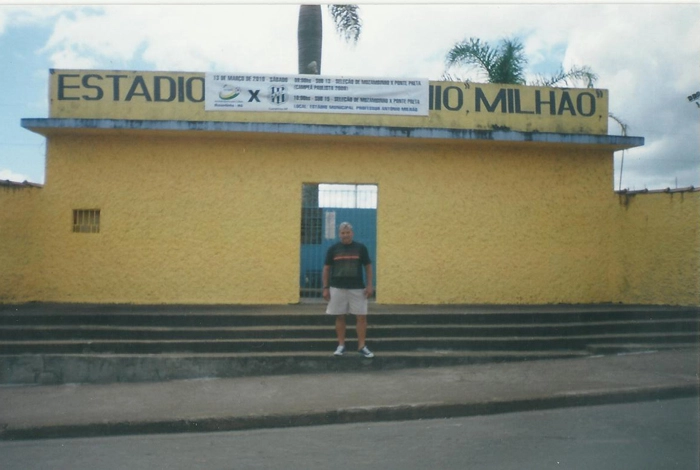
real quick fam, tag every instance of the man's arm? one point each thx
(370, 278)
(326, 280)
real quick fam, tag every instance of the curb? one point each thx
(349, 415)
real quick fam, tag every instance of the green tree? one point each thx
(310, 32)
(506, 63)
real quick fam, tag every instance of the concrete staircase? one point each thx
(47, 343)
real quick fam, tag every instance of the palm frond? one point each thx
(572, 76)
(347, 21)
(472, 53)
(510, 63)
(507, 64)
(449, 77)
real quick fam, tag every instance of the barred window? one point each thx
(86, 221)
(311, 225)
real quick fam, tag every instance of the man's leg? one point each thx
(340, 329)
(361, 328)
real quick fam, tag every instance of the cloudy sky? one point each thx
(647, 55)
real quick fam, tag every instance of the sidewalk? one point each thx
(314, 399)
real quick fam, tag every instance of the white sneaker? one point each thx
(339, 351)
(365, 352)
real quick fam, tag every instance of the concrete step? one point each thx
(607, 349)
(106, 368)
(513, 343)
(96, 332)
(202, 317)
(77, 343)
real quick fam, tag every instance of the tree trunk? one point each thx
(310, 39)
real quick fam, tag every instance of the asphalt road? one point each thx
(649, 435)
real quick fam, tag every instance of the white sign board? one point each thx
(316, 94)
(330, 225)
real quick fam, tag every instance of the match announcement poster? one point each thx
(316, 94)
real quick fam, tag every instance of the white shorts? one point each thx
(347, 301)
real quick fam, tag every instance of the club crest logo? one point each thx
(278, 94)
(229, 92)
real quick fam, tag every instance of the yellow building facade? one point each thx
(500, 195)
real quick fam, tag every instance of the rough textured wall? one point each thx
(184, 221)
(19, 253)
(216, 219)
(659, 248)
(495, 225)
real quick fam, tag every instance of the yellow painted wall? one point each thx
(181, 221)
(215, 218)
(495, 225)
(658, 243)
(20, 255)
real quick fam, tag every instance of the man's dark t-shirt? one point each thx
(346, 262)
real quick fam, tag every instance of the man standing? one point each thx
(344, 288)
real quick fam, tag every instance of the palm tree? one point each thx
(506, 64)
(310, 46)
(310, 32)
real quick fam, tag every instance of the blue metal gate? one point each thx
(324, 207)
